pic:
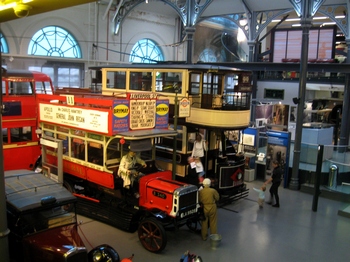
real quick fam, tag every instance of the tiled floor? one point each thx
(292, 232)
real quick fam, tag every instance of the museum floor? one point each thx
(292, 232)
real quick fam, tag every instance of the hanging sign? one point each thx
(184, 107)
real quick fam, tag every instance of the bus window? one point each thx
(5, 136)
(65, 144)
(21, 134)
(116, 80)
(95, 153)
(141, 81)
(195, 79)
(113, 154)
(3, 87)
(78, 148)
(169, 82)
(20, 88)
(43, 88)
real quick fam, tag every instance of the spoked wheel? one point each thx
(152, 235)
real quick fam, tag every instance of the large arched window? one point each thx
(3, 44)
(54, 41)
(146, 51)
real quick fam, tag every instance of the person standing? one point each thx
(261, 197)
(199, 148)
(276, 179)
(207, 198)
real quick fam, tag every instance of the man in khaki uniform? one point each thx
(208, 198)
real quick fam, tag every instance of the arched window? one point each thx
(3, 44)
(54, 41)
(146, 51)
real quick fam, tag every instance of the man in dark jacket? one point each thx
(276, 179)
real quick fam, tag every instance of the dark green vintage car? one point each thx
(43, 223)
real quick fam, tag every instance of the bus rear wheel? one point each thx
(152, 235)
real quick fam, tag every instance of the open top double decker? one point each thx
(84, 138)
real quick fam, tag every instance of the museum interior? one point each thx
(296, 56)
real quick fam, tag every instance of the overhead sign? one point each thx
(184, 107)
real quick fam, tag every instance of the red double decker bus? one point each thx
(21, 146)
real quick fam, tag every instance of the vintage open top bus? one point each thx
(21, 146)
(211, 100)
(84, 138)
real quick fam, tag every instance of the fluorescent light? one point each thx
(340, 16)
(296, 25)
(276, 21)
(329, 23)
(320, 18)
(293, 19)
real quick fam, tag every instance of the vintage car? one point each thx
(43, 223)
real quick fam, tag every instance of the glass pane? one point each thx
(146, 51)
(116, 80)
(141, 81)
(54, 41)
(195, 83)
(169, 82)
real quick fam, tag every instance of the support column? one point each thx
(251, 58)
(345, 125)
(305, 24)
(189, 32)
(4, 231)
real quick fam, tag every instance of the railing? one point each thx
(316, 77)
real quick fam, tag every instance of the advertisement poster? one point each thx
(278, 149)
(162, 114)
(120, 120)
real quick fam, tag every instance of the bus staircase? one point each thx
(227, 196)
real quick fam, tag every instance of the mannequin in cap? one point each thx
(207, 198)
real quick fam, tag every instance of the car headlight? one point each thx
(103, 253)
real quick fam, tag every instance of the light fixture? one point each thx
(243, 21)
(320, 18)
(146, 1)
(292, 19)
(4, 5)
(329, 23)
(18, 6)
(21, 10)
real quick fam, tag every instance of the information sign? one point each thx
(184, 107)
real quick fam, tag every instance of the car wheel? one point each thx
(152, 235)
(192, 224)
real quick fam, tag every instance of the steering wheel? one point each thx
(137, 167)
